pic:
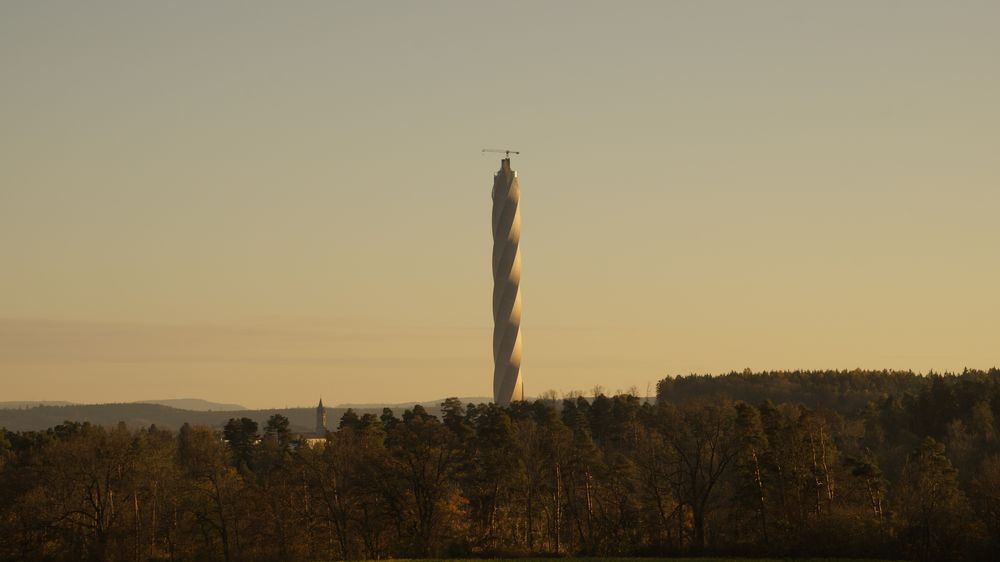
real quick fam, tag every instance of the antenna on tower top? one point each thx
(505, 151)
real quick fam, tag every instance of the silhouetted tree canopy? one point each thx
(851, 464)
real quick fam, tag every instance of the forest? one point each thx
(873, 464)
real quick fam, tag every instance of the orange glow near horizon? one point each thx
(265, 204)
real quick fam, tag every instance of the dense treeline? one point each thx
(842, 391)
(913, 472)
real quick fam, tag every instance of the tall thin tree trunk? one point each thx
(760, 494)
(827, 475)
(138, 529)
(817, 481)
(528, 531)
(558, 505)
(152, 521)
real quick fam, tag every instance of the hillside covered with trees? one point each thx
(137, 415)
(865, 464)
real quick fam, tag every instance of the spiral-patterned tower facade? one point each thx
(507, 384)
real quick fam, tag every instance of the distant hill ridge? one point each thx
(425, 403)
(196, 404)
(33, 417)
(17, 404)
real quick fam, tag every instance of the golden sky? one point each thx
(265, 202)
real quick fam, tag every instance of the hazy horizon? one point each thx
(267, 203)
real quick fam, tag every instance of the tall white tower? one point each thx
(507, 383)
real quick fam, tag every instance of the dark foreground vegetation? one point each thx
(652, 559)
(879, 465)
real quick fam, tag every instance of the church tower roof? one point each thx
(320, 418)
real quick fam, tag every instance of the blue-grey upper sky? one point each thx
(263, 202)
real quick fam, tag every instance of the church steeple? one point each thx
(320, 418)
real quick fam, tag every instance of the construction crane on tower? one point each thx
(503, 151)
